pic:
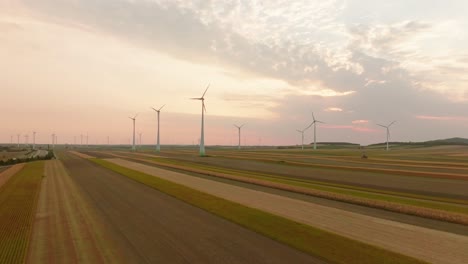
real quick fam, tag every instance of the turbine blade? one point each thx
(154, 109)
(381, 125)
(204, 107)
(319, 122)
(195, 98)
(206, 90)
(391, 123)
(161, 107)
(242, 125)
(313, 117)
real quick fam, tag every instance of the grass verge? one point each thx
(319, 243)
(18, 200)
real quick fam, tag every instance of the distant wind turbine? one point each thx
(202, 138)
(158, 147)
(315, 129)
(53, 140)
(388, 131)
(18, 136)
(34, 140)
(302, 133)
(133, 118)
(239, 128)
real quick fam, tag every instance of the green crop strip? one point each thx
(320, 243)
(18, 200)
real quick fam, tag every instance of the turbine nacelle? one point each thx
(158, 110)
(133, 118)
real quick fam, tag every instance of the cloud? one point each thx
(376, 70)
(333, 109)
(360, 121)
(353, 128)
(442, 118)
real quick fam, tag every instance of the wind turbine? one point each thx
(302, 133)
(34, 140)
(202, 138)
(133, 118)
(315, 129)
(388, 130)
(239, 128)
(158, 147)
(53, 140)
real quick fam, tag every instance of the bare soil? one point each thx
(81, 154)
(66, 229)
(6, 174)
(161, 229)
(422, 243)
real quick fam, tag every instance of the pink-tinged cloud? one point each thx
(442, 118)
(333, 109)
(353, 128)
(360, 121)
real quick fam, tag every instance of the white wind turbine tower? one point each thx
(53, 140)
(133, 118)
(302, 133)
(158, 111)
(388, 130)
(202, 138)
(34, 140)
(239, 128)
(315, 129)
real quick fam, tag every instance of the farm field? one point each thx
(66, 227)
(7, 172)
(18, 199)
(294, 164)
(112, 211)
(405, 239)
(311, 184)
(162, 228)
(3, 168)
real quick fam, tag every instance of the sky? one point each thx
(82, 67)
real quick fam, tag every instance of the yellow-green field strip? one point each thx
(319, 243)
(416, 205)
(18, 200)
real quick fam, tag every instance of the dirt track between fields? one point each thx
(161, 229)
(423, 243)
(66, 229)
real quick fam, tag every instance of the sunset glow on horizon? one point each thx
(83, 67)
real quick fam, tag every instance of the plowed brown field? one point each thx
(158, 228)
